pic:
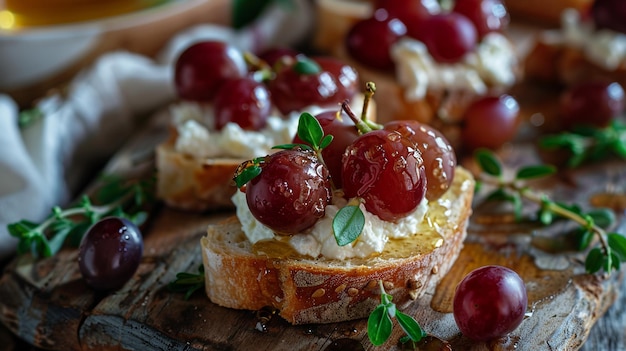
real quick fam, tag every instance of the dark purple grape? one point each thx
(369, 41)
(386, 170)
(201, 69)
(412, 13)
(609, 14)
(243, 101)
(490, 122)
(489, 303)
(593, 103)
(291, 193)
(487, 15)
(110, 253)
(448, 36)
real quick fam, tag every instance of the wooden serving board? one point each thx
(47, 304)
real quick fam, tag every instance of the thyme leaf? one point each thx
(188, 282)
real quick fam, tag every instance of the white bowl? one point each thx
(36, 59)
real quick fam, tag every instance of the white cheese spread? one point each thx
(491, 64)
(197, 138)
(320, 240)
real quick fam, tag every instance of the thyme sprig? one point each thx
(611, 249)
(380, 325)
(188, 282)
(588, 143)
(116, 197)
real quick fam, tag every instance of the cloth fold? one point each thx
(47, 162)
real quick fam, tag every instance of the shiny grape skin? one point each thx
(200, 69)
(591, 103)
(489, 303)
(369, 40)
(448, 36)
(386, 170)
(273, 55)
(291, 193)
(486, 15)
(609, 14)
(438, 155)
(243, 101)
(490, 121)
(344, 132)
(411, 12)
(293, 91)
(110, 253)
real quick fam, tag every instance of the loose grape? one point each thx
(110, 253)
(202, 68)
(592, 103)
(486, 15)
(609, 14)
(489, 303)
(490, 122)
(291, 193)
(369, 41)
(412, 13)
(448, 36)
(243, 101)
(380, 165)
(437, 153)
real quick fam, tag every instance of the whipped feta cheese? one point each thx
(605, 48)
(197, 138)
(320, 240)
(491, 64)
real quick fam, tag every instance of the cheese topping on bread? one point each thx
(197, 138)
(491, 64)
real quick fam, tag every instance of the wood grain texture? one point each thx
(47, 304)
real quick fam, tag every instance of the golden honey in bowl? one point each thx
(18, 14)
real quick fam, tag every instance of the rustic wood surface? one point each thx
(46, 303)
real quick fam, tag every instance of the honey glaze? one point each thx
(540, 284)
(18, 14)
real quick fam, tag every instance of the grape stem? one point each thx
(363, 124)
(543, 200)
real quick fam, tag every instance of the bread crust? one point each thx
(308, 290)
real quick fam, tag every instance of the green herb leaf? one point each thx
(310, 130)
(602, 217)
(410, 326)
(291, 146)
(245, 12)
(379, 325)
(594, 260)
(306, 66)
(348, 224)
(488, 162)
(246, 175)
(188, 282)
(617, 243)
(535, 172)
(326, 140)
(585, 237)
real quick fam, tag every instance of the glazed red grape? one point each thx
(291, 193)
(411, 12)
(305, 82)
(110, 253)
(202, 68)
(593, 103)
(344, 132)
(489, 303)
(377, 167)
(609, 14)
(437, 153)
(486, 15)
(369, 41)
(272, 55)
(448, 36)
(490, 122)
(243, 101)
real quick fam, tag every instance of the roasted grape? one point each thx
(448, 36)
(110, 253)
(489, 303)
(201, 69)
(412, 13)
(291, 192)
(486, 15)
(592, 103)
(344, 133)
(369, 41)
(273, 55)
(243, 101)
(305, 82)
(439, 157)
(378, 167)
(490, 122)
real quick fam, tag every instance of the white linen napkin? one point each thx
(44, 164)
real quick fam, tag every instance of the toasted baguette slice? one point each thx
(319, 290)
(203, 184)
